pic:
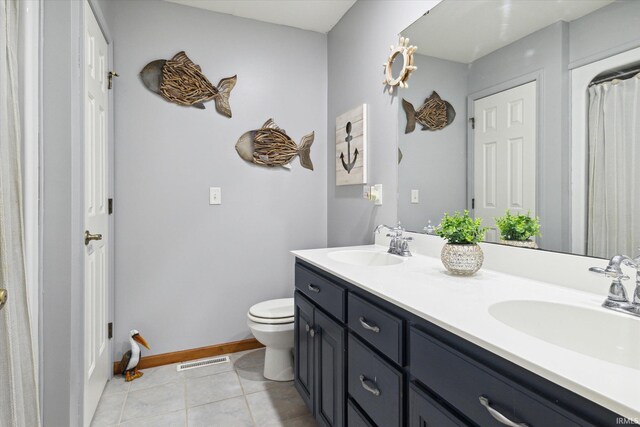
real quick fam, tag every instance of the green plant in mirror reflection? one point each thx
(518, 227)
(461, 229)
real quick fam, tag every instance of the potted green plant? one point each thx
(518, 229)
(461, 254)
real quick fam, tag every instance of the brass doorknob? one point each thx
(3, 297)
(89, 237)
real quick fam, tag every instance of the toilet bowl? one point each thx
(271, 323)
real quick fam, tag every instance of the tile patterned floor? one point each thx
(227, 395)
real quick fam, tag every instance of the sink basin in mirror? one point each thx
(365, 258)
(593, 332)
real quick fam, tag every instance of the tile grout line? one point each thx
(186, 406)
(126, 396)
(244, 396)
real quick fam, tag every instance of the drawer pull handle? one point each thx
(498, 416)
(369, 326)
(313, 288)
(369, 385)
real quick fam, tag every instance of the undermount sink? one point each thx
(365, 258)
(594, 332)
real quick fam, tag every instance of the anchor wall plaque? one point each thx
(351, 147)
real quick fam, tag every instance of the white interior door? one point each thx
(505, 154)
(96, 355)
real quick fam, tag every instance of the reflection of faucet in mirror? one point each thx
(429, 229)
(617, 298)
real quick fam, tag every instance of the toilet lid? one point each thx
(280, 310)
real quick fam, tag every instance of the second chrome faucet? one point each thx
(617, 298)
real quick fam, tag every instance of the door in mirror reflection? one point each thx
(504, 151)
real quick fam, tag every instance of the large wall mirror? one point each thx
(536, 109)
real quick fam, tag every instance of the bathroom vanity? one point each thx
(387, 341)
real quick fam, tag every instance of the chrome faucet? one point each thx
(399, 245)
(617, 299)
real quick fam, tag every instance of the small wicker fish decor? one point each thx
(271, 146)
(434, 114)
(182, 82)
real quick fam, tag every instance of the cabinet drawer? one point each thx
(376, 326)
(330, 296)
(461, 382)
(355, 418)
(374, 384)
(424, 411)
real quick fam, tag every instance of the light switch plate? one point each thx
(215, 196)
(415, 196)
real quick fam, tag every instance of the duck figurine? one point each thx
(131, 359)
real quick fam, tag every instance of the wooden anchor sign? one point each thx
(351, 147)
(348, 165)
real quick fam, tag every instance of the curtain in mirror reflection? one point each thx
(614, 172)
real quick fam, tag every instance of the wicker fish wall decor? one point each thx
(271, 146)
(180, 81)
(434, 114)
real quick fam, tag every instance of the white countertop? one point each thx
(422, 286)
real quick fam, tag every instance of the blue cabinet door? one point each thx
(304, 350)
(330, 379)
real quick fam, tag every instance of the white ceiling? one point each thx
(314, 15)
(465, 30)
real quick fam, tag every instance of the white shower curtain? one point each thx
(613, 225)
(18, 386)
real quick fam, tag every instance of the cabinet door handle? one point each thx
(369, 385)
(369, 326)
(313, 288)
(310, 330)
(498, 416)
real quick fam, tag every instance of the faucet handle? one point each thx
(609, 272)
(617, 293)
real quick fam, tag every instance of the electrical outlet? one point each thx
(215, 196)
(376, 194)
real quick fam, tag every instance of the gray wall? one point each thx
(434, 162)
(187, 272)
(61, 227)
(357, 47)
(546, 52)
(607, 31)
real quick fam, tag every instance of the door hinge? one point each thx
(473, 203)
(110, 207)
(472, 120)
(110, 77)
(110, 330)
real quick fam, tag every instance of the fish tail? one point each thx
(224, 91)
(411, 116)
(304, 151)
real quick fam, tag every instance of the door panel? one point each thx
(96, 363)
(505, 155)
(303, 360)
(329, 353)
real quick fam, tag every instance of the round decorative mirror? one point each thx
(399, 66)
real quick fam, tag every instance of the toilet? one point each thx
(271, 323)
